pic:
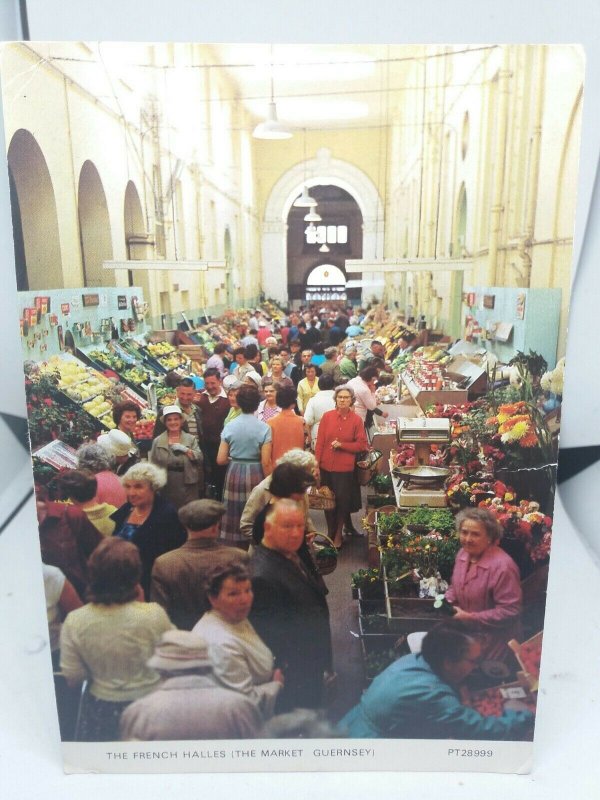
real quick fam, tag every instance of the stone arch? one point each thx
(35, 220)
(323, 170)
(137, 242)
(94, 227)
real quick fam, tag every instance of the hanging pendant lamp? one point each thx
(305, 200)
(324, 249)
(312, 216)
(272, 128)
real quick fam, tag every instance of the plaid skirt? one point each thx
(240, 479)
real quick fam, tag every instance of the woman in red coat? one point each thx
(341, 436)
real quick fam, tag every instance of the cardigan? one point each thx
(351, 433)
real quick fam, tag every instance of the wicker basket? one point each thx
(327, 562)
(365, 468)
(320, 499)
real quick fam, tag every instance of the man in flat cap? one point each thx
(178, 576)
(190, 703)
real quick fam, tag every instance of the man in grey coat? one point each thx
(190, 703)
(178, 576)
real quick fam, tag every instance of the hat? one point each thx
(179, 650)
(254, 376)
(349, 347)
(171, 410)
(198, 515)
(116, 442)
(231, 382)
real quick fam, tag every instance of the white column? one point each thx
(274, 280)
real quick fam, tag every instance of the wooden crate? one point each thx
(528, 655)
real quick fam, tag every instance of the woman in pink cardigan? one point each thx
(486, 585)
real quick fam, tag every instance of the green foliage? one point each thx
(365, 577)
(435, 519)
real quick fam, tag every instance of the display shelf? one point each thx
(427, 397)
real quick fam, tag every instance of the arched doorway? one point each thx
(94, 227)
(338, 236)
(137, 241)
(325, 171)
(325, 282)
(35, 221)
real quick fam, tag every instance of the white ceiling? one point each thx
(319, 86)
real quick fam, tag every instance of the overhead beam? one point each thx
(408, 265)
(170, 266)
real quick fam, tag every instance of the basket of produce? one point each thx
(325, 554)
(365, 466)
(320, 498)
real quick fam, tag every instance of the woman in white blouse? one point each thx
(323, 401)
(241, 660)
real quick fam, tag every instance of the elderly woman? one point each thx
(246, 448)
(417, 696)
(109, 640)
(179, 453)
(268, 408)
(147, 519)
(293, 474)
(309, 386)
(241, 660)
(276, 372)
(485, 587)
(341, 436)
(102, 464)
(121, 447)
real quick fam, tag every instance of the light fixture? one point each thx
(305, 200)
(312, 216)
(310, 229)
(272, 128)
(323, 249)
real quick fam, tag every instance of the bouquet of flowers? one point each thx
(525, 523)
(514, 425)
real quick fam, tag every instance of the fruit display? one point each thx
(135, 375)
(166, 396)
(80, 383)
(490, 702)
(107, 359)
(159, 349)
(144, 428)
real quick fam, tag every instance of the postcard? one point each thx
(293, 323)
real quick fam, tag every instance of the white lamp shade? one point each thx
(312, 216)
(271, 128)
(305, 200)
(323, 249)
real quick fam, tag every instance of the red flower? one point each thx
(48, 402)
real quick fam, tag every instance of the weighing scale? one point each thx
(422, 485)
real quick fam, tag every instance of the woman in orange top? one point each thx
(287, 428)
(341, 436)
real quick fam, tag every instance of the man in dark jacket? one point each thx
(290, 611)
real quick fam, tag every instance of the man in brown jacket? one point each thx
(178, 576)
